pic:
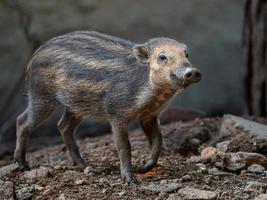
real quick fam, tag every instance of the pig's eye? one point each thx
(162, 58)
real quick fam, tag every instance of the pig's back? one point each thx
(89, 70)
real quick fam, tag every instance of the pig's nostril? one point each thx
(197, 75)
(188, 74)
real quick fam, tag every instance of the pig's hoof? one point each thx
(81, 164)
(149, 165)
(23, 166)
(130, 179)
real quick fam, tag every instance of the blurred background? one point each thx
(226, 40)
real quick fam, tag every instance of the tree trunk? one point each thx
(255, 56)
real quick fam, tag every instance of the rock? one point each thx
(61, 197)
(185, 178)
(25, 193)
(222, 146)
(246, 135)
(261, 197)
(122, 193)
(41, 172)
(201, 168)
(200, 133)
(232, 124)
(239, 160)
(174, 197)
(8, 169)
(80, 182)
(7, 191)
(254, 186)
(48, 190)
(88, 170)
(193, 193)
(255, 168)
(38, 187)
(213, 171)
(194, 159)
(162, 196)
(208, 153)
(157, 188)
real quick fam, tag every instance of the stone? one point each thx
(38, 187)
(193, 193)
(201, 168)
(185, 178)
(7, 191)
(157, 188)
(254, 186)
(194, 159)
(41, 172)
(162, 196)
(122, 193)
(25, 193)
(239, 160)
(8, 169)
(174, 197)
(256, 168)
(213, 171)
(88, 170)
(232, 124)
(200, 133)
(61, 197)
(261, 197)
(80, 182)
(208, 153)
(222, 146)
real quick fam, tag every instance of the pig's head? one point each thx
(168, 62)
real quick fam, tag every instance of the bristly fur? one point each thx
(94, 74)
(90, 73)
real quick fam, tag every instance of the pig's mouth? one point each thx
(180, 82)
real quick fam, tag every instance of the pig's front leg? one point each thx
(121, 139)
(152, 131)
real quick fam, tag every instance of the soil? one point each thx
(102, 179)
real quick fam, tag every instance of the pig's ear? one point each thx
(140, 52)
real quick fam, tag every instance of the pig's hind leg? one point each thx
(152, 131)
(67, 126)
(37, 111)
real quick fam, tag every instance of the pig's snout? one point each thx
(191, 75)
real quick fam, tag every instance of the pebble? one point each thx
(256, 168)
(186, 178)
(253, 186)
(8, 169)
(7, 190)
(38, 187)
(162, 196)
(213, 171)
(201, 133)
(223, 146)
(80, 182)
(122, 193)
(193, 193)
(25, 193)
(157, 188)
(208, 153)
(41, 172)
(261, 197)
(239, 160)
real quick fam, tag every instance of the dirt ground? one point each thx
(101, 180)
